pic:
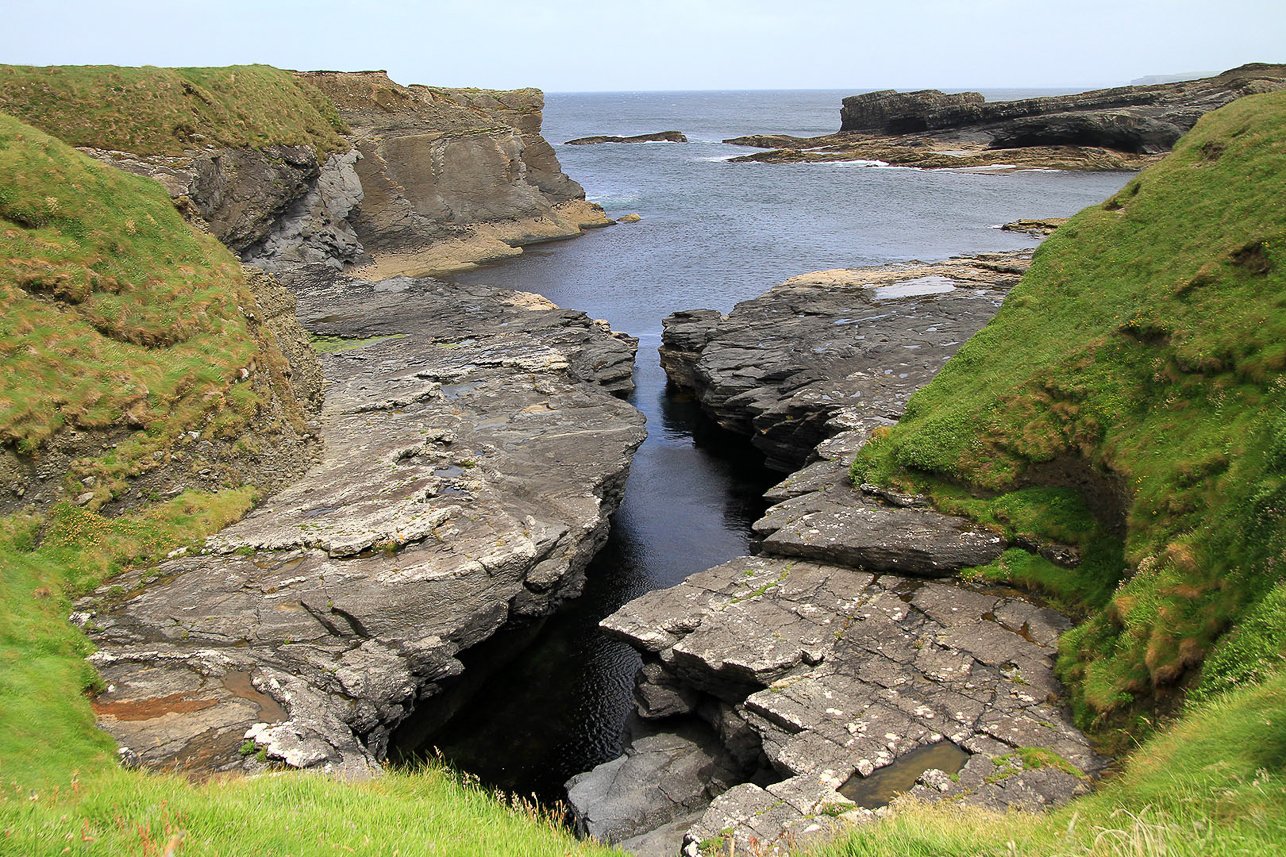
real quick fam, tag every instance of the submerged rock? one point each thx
(473, 454)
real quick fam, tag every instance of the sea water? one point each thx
(712, 233)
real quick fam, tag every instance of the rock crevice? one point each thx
(473, 455)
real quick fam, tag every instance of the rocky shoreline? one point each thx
(1124, 128)
(474, 452)
(787, 694)
(435, 180)
(832, 349)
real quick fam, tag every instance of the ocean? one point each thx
(712, 233)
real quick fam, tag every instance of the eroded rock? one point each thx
(849, 345)
(842, 673)
(473, 454)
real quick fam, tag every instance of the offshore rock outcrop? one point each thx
(654, 137)
(1141, 119)
(473, 456)
(1121, 128)
(851, 343)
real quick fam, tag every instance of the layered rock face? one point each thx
(779, 367)
(1143, 119)
(473, 454)
(831, 671)
(452, 177)
(829, 684)
(1125, 128)
(436, 180)
(277, 207)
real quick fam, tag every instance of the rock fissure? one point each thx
(342, 633)
(836, 653)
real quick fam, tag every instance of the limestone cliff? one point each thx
(335, 168)
(451, 177)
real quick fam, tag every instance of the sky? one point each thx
(631, 45)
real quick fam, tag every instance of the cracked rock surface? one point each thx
(855, 342)
(835, 674)
(835, 670)
(472, 458)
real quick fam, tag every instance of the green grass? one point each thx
(115, 315)
(164, 111)
(1214, 784)
(428, 812)
(46, 726)
(1144, 351)
(62, 792)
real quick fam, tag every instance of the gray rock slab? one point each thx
(846, 528)
(844, 673)
(851, 345)
(664, 775)
(473, 456)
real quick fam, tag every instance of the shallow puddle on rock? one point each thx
(453, 391)
(932, 285)
(239, 684)
(888, 782)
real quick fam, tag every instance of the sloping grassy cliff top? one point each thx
(114, 312)
(163, 111)
(1140, 361)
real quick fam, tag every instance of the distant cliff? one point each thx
(1140, 119)
(451, 176)
(334, 168)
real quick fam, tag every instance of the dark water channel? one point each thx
(557, 706)
(713, 233)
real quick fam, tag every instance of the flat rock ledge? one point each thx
(841, 675)
(781, 367)
(837, 668)
(473, 454)
(832, 686)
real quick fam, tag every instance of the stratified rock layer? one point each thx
(1125, 128)
(780, 366)
(1129, 118)
(452, 177)
(834, 673)
(833, 679)
(472, 460)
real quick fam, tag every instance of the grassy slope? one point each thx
(1153, 342)
(1152, 339)
(115, 312)
(163, 111)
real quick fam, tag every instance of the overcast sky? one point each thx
(580, 45)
